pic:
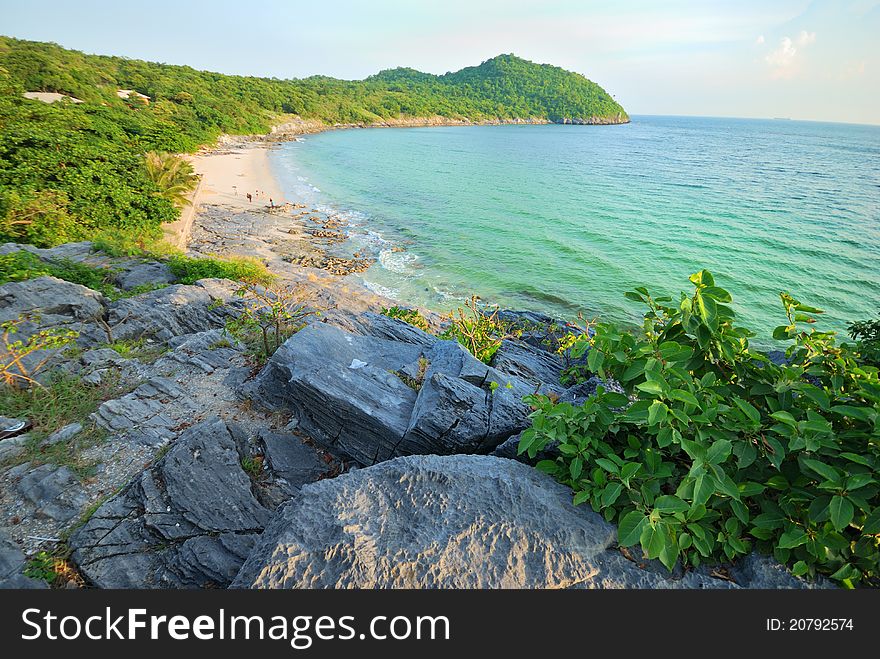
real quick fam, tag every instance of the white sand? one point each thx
(228, 173)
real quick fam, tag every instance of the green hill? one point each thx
(76, 167)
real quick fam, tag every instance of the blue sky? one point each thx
(803, 59)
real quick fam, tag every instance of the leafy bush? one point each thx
(22, 265)
(246, 270)
(476, 328)
(714, 450)
(411, 316)
(867, 335)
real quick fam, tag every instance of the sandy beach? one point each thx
(303, 246)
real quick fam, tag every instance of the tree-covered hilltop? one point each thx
(71, 169)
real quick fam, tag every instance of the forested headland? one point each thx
(71, 170)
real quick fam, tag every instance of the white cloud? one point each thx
(806, 38)
(783, 60)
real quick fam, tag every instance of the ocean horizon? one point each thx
(565, 219)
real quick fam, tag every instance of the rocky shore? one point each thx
(364, 453)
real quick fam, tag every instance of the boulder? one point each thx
(445, 522)
(358, 395)
(56, 301)
(144, 273)
(525, 361)
(175, 310)
(189, 521)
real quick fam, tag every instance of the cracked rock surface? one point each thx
(356, 394)
(188, 521)
(461, 521)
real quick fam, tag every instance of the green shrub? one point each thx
(246, 270)
(23, 265)
(411, 316)
(713, 450)
(476, 328)
(867, 336)
(20, 266)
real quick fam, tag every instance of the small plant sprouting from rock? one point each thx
(252, 466)
(53, 568)
(137, 349)
(15, 368)
(271, 316)
(411, 316)
(415, 383)
(477, 328)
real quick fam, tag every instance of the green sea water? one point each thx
(564, 219)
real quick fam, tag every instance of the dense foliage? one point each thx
(70, 170)
(714, 450)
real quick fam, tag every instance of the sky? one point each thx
(803, 59)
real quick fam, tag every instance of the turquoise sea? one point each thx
(564, 219)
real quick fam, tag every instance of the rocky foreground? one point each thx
(365, 453)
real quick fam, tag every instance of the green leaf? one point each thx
(670, 504)
(657, 413)
(825, 471)
(611, 493)
(784, 417)
(793, 538)
(749, 410)
(630, 528)
(684, 397)
(580, 497)
(595, 360)
(841, 511)
(607, 465)
(872, 523)
(719, 451)
(858, 459)
(704, 488)
(547, 466)
(576, 467)
(653, 540)
(650, 387)
(799, 569)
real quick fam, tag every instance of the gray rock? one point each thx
(525, 361)
(358, 412)
(68, 251)
(12, 447)
(187, 522)
(174, 311)
(142, 412)
(383, 327)
(12, 565)
(346, 395)
(761, 571)
(54, 492)
(66, 433)
(144, 273)
(58, 302)
(444, 522)
(291, 460)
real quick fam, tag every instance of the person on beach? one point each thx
(271, 203)
(249, 198)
